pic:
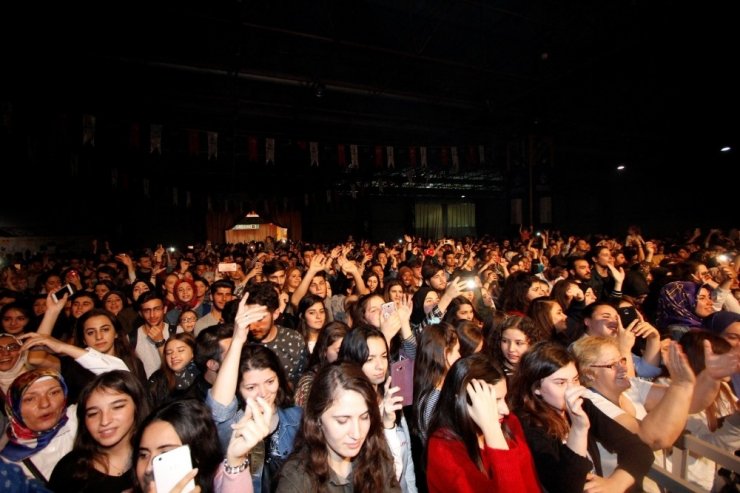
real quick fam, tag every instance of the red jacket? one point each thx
(449, 469)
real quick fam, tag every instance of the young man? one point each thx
(222, 292)
(153, 334)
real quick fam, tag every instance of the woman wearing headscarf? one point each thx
(682, 306)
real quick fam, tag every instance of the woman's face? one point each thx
(372, 311)
(39, 307)
(375, 367)
(372, 283)
(139, 289)
(552, 388)
(185, 292)
(157, 438)
(465, 312)
(614, 379)
(114, 304)
(558, 319)
(704, 305)
(315, 316)
(101, 290)
(52, 284)
(537, 290)
(396, 293)
(110, 416)
(514, 343)
(332, 352)
(10, 351)
(200, 289)
(82, 305)
(14, 321)
(430, 301)
(260, 383)
(294, 279)
(177, 355)
(99, 334)
(187, 321)
(42, 404)
(345, 425)
(169, 283)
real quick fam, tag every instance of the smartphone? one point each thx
(227, 266)
(170, 467)
(58, 295)
(387, 309)
(402, 376)
(627, 314)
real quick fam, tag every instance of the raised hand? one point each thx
(250, 430)
(390, 404)
(678, 365)
(246, 315)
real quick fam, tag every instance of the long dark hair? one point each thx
(451, 416)
(192, 422)
(430, 366)
(542, 360)
(89, 451)
(121, 344)
(168, 373)
(328, 336)
(258, 357)
(368, 471)
(307, 302)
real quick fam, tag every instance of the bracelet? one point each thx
(236, 469)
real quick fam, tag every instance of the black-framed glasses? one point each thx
(611, 366)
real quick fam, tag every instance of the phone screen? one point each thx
(627, 314)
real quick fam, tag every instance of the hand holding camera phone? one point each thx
(170, 467)
(627, 314)
(227, 266)
(387, 309)
(66, 289)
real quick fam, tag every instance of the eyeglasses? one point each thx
(10, 348)
(189, 319)
(611, 366)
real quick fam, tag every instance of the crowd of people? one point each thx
(536, 363)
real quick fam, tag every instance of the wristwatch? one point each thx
(157, 343)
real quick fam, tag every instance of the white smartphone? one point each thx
(170, 467)
(227, 267)
(58, 295)
(387, 309)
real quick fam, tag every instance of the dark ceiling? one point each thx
(648, 83)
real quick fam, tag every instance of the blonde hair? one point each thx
(587, 351)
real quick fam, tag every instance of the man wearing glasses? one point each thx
(153, 334)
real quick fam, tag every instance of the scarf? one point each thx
(22, 441)
(676, 304)
(184, 379)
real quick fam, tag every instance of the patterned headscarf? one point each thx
(24, 442)
(676, 305)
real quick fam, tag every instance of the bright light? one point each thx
(620, 167)
(462, 196)
(726, 149)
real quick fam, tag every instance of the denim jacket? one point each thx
(289, 421)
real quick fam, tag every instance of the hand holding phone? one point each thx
(627, 314)
(66, 289)
(227, 267)
(170, 467)
(387, 309)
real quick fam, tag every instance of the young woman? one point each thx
(395, 326)
(366, 347)
(248, 372)
(340, 446)
(475, 445)
(682, 306)
(184, 292)
(461, 308)
(117, 303)
(511, 340)
(560, 426)
(312, 317)
(187, 422)
(100, 330)
(393, 291)
(470, 336)
(325, 352)
(110, 409)
(548, 317)
(15, 318)
(178, 372)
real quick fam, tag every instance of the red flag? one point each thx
(412, 157)
(444, 157)
(193, 143)
(252, 149)
(341, 157)
(378, 156)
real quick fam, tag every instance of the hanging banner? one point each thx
(269, 151)
(378, 157)
(155, 138)
(423, 156)
(353, 161)
(391, 158)
(412, 157)
(315, 154)
(252, 149)
(341, 157)
(455, 159)
(212, 145)
(88, 130)
(193, 142)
